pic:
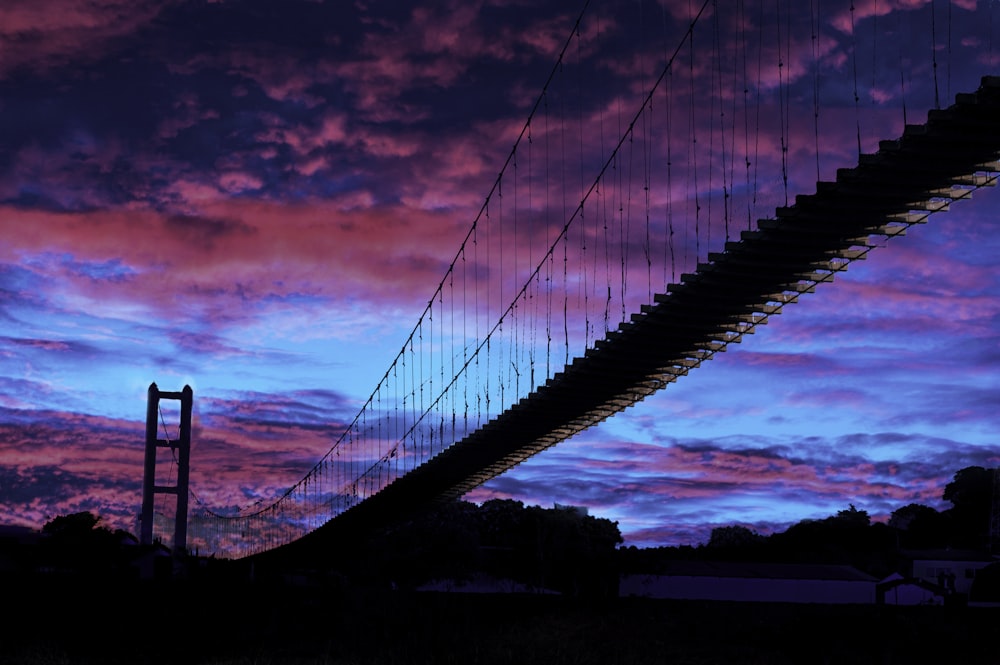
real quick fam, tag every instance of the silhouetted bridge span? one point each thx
(570, 299)
(805, 245)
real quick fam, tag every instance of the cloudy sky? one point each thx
(259, 199)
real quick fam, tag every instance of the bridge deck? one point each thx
(806, 244)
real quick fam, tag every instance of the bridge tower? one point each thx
(182, 451)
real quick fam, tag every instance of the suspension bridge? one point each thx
(653, 211)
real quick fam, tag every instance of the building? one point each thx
(482, 583)
(899, 590)
(755, 582)
(954, 570)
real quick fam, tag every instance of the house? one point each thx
(954, 570)
(481, 583)
(899, 590)
(153, 561)
(756, 582)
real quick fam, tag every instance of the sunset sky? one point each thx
(257, 199)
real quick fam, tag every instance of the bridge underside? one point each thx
(806, 244)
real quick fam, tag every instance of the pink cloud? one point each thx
(385, 68)
(40, 34)
(56, 172)
(318, 249)
(54, 463)
(305, 140)
(863, 9)
(235, 181)
(434, 49)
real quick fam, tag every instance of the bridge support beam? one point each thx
(181, 447)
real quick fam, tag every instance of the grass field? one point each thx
(245, 624)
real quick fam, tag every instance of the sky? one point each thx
(258, 200)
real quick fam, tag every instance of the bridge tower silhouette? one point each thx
(180, 447)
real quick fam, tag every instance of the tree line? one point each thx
(566, 550)
(561, 549)
(851, 537)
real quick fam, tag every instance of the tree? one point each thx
(734, 537)
(573, 552)
(909, 515)
(919, 526)
(74, 525)
(852, 518)
(77, 542)
(501, 523)
(846, 537)
(971, 488)
(971, 496)
(439, 542)
(556, 548)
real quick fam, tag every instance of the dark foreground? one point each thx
(253, 624)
